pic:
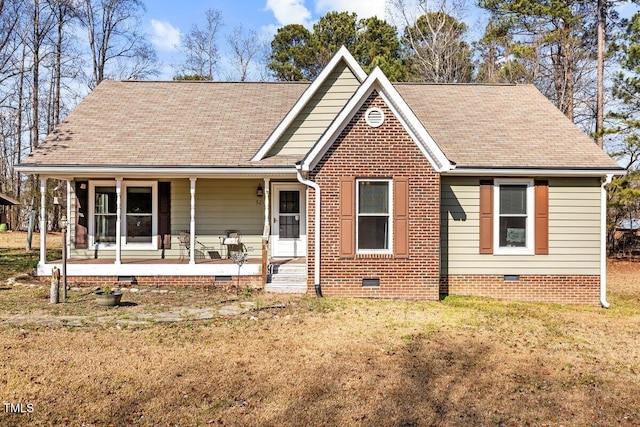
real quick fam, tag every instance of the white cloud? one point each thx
(269, 31)
(289, 11)
(362, 8)
(165, 36)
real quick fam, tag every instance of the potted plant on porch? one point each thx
(106, 297)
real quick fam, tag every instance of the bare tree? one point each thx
(42, 22)
(64, 12)
(201, 48)
(9, 42)
(601, 10)
(246, 49)
(434, 40)
(114, 35)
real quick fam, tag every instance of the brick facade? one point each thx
(184, 281)
(573, 289)
(383, 152)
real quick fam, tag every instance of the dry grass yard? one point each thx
(304, 361)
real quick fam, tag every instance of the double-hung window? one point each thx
(513, 226)
(373, 209)
(138, 214)
(104, 218)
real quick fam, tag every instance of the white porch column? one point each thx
(68, 242)
(43, 220)
(192, 224)
(267, 221)
(118, 220)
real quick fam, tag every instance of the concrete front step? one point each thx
(287, 278)
(289, 269)
(290, 288)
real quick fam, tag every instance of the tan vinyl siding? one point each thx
(318, 114)
(574, 231)
(221, 205)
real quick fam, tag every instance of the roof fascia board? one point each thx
(342, 54)
(155, 172)
(583, 173)
(9, 199)
(377, 80)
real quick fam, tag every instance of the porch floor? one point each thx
(178, 261)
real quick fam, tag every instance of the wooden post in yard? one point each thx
(55, 285)
(264, 263)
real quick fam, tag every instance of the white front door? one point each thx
(288, 220)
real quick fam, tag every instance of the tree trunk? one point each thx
(18, 185)
(36, 75)
(602, 16)
(58, 67)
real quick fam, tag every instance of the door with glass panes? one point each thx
(288, 220)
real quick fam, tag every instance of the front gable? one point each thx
(312, 114)
(377, 83)
(372, 247)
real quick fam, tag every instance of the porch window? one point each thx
(105, 215)
(373, 213)
(139, 214)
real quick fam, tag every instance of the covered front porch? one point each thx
(174, 229)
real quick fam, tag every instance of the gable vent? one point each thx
(374, 117)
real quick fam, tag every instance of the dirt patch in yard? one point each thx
(308, 361)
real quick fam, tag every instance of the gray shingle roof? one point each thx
(169, 124)
(211, 124)
(506, 126)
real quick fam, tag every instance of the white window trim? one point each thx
(390, 215)
(123, 215)
(92, 214)
(154, 215)
(529, 248)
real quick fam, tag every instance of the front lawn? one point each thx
(307, 361)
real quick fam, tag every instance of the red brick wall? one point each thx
(574, 289)
(208, 281)
(382, 152)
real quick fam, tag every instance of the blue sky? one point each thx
(165, 20)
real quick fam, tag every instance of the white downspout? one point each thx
(603, 241)
(316, 242)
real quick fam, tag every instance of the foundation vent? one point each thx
(369, 283)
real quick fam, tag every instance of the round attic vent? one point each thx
(374, 117)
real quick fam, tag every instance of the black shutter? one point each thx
(486, 216)
(82, 215)
(164, 215)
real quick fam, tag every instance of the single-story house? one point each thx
(346, 186)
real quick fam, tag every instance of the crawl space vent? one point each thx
(374, 117)
(373, 282)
